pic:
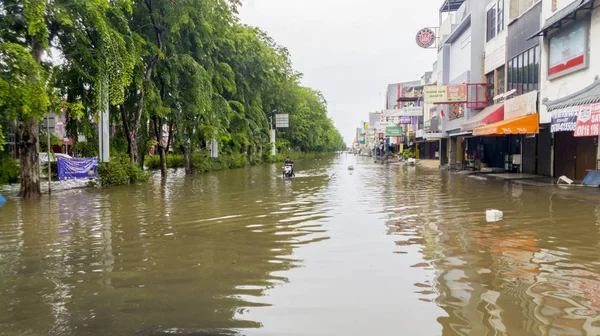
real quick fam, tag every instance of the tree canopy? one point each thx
(189, 66)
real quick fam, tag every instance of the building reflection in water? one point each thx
(534, 273)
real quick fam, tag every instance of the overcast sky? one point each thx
(349, 49)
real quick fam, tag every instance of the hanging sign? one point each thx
(565, 119)
(411, 111)
(393, 131)
(588, 121)
(425, 38)
(434, 94)
(282, 120)
(439, 94)
(456, 93)
(405, 120)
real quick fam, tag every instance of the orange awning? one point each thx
(522, 125)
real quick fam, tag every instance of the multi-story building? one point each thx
(570, 83)
(462, 42)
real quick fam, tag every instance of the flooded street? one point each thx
(381, 250)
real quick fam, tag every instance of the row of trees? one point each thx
(188, 64)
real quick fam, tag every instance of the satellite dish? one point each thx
(510, 93)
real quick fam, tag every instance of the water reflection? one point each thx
(534, 273)
(380, 250)
(189, 256)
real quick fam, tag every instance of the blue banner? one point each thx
(70, 169)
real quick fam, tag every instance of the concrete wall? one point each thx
(460, 54)
(518, 7)
(495, 49)
(477, 8)
(391, 96)
(571, 83)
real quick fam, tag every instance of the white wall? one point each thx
(460, 55)
(495, 49)
(495, 52)
(569, 84)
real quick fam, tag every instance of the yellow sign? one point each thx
(435, 94)
(454, 93)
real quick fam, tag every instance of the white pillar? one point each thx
(104, 124)
(214, 148)
(273, 149)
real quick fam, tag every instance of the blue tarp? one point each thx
(70, 169)
(2, 200)
(592, 179)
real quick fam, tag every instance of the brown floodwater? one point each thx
(380, 250)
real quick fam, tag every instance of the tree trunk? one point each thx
(158, 134)
(127, 132)
(133, 152)
(186, 159)
(250, 153)
(30, 160)
(163, 161)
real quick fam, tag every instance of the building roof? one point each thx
(588, 95)
(451, 5)
(569, 13)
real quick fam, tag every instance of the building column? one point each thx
(453, 151)
(443, 151)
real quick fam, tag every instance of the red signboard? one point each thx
(588, 121)
(425, 38)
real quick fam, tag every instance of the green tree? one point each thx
(23, 81)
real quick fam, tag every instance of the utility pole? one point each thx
(49, 157)
(273, 134)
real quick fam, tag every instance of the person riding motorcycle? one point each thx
(289, 162)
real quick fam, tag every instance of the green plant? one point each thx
(120, 171)
(54, 169)
(408, 154)
(86, 149)
(9, 170)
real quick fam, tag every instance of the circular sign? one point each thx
(425, 38)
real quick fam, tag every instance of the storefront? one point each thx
(511, 143)
(429, 149)
(576, 127)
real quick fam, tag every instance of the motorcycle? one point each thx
(288, 171)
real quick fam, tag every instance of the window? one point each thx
(519, 78)
(490, 88)
(536, 67)
(526, 72)
(523, 72)
(501, 78)
(495, 20)
(500, 16)
(532, 81)
(491, 23)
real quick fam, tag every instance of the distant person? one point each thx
(289, 161)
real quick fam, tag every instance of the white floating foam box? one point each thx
(492, 215)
